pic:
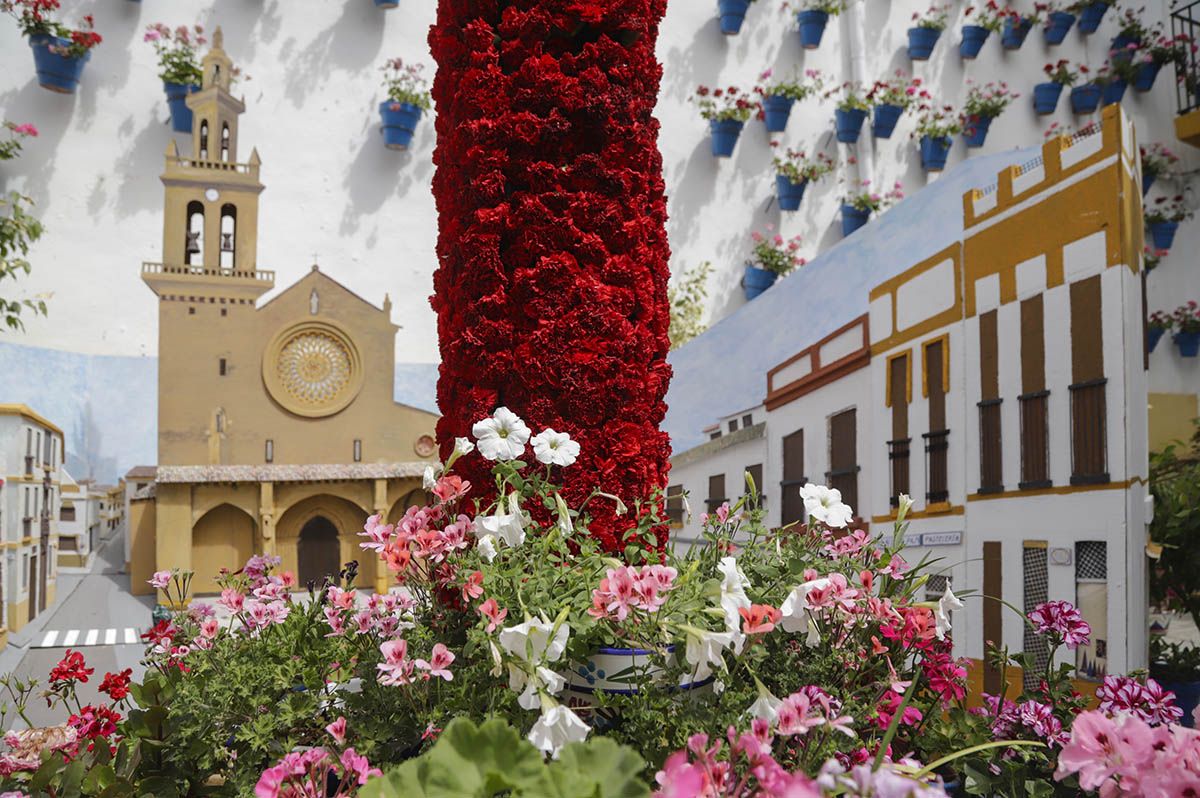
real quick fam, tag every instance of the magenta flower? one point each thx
(1062, 621)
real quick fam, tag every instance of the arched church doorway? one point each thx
(318, 553)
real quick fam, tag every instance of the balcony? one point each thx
(898, 455)
(1089, 445)
(1186, 21)
(937, 474)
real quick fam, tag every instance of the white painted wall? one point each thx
(730, 460)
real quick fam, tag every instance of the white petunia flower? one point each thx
(766, 706)
(501, 437)
(564, 516)
(463, 446)
(946, 604)
(825, 505)
(704, 650)
(487, 547)
(536, 640)
(733, 592)
(794, 609)
(557, 727)
(544, 680)
(429, 480)
(554, 448)
(509, 527)
(904, 504)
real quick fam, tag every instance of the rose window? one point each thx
(312, 369)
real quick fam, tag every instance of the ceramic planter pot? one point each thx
(1113, 92)
(1045, 97)
(1014, 33)
(934, 151)
(973, 37)
(757, 280)
(1188, 343)
(386, 3)
(1153, 336)
(618, 671)
(884, 120)
(1119, 48)
(1187, 696)
(58, 73)
(1058, 24)
(789, 193)
(1090, 16)
(812, 27)
(1148, 179)
(852, 219)
(1147, 73)
(399, 123)
(181, 115)
(921, 42)
(725, 134)
(776, 110)
(1163, 234)
(975, 133)
(1085, 98)
(733, 14)
(849, 124)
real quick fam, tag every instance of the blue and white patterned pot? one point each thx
(620, 671)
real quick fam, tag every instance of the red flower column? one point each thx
(551, 287)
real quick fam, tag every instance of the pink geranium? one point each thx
(1062, 622)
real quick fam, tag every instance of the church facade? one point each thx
(277, 428)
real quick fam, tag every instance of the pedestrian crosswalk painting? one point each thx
(78, 638)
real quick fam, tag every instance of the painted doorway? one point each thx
(318, 552)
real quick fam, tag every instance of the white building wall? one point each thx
(730, 460)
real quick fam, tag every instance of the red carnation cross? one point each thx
(551, 290)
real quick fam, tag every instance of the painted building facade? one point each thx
(1002, 383)
(31, 457)
(80, 524)
(277, 431)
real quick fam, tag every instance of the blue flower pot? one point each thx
(757, 280)
(181, 115)
(849, 124)
(812, 26)
(1188, 343)
(1013, 35)
(852, 219)
(788, 193)
(883, 123)
(976, 130)
(973, 37)
(733, 14)
(56, 72)
(934, 151)
(1187, 696)
(1057, 26)
(399, 122)
(1113, 92)
(776, 110)
(725, 134)
(386, 3)
(1147, 181)
(1153, 336)
(1118, 48)
(1090, 16)
(1085, 98)
(1045, 97)
(1147, 72)
(921, 42)
(1163, 234)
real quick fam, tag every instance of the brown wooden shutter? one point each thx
(1033, 345)
(716, 491)
(756, 476)
(1089, 455)
(1035, 459)
(934, 368)
(791, 505)
(937, 444)
(993, 629)
(675, 504)
(989, 356)
(898, 447)
(991, 478)
(843, 455)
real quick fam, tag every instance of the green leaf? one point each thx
(613, 768)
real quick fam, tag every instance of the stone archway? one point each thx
(222, 538)
(318, 551)
(414, 498)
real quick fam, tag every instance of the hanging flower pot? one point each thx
(1148, 179)
(849, 123)
(56, 71)
(757, 280)
(776, 110)
(181, 115)
(1090, 16)
(1163, 234)
(1085, 98)
(1057, 26)
(1014, 33)
(1147, 73)
(921, 41)
(1188, 343)
(973, 37)
(386, 3)
(1113, 91)
(733, 14)
(620, 671)
(976, 130)
(725, 134)
(399, 123)
(853, 218)
(812, 27)
(934, 151)
(1045, 97)
(789, 193)
(883, 123)
(1153, 336)
(1120, 49)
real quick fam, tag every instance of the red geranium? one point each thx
(116, 684)
(92, 722)
(70, 669)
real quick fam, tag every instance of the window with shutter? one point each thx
(716, 492)
(993, 618)
(898, 446)
(843, 456)
(1034, 399)
(991, 476)
(675, 504)
(1089, 445)
(755, 474)
(937, 439)
(791, 505)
